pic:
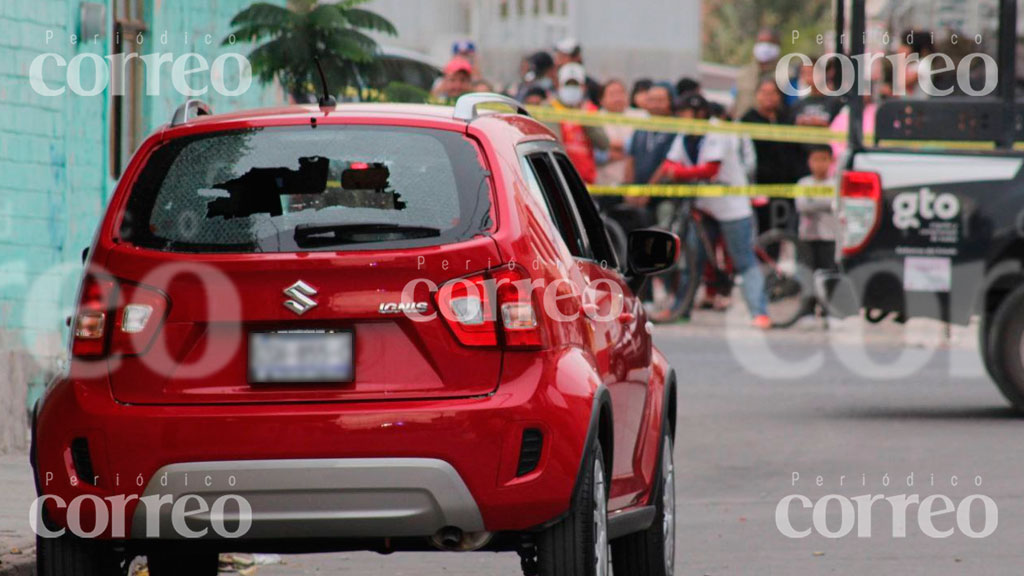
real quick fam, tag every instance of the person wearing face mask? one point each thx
(569, 51)
(766, 52)
(580, 141)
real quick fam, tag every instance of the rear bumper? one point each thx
(324, 498)
(293, 458)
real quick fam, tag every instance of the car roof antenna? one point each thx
(326, 100)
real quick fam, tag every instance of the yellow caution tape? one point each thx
(772, 132)
(714, 191)
(769, 132)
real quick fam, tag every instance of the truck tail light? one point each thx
(861, 194)
(115, 318)
(493, 309)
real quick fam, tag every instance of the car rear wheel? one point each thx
(1004, 348)
(69, 555)
(984, 350)
(578, 544)
(652, 551)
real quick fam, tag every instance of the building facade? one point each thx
(60, 155)
(629, 40)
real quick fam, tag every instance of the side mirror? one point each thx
(651, 250)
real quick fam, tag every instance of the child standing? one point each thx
(817, 215)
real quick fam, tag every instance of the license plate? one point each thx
(301, 356)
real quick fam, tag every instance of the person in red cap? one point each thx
(457, 79)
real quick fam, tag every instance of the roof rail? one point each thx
(466, 105)
(190, 109)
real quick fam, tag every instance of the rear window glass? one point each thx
(303, 188)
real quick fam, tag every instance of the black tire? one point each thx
(984, 350)
(178, 562)
(69, 555)
(1004, 356)
(789, 284)
(647, 553)
(569, 548)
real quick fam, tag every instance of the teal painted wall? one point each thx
(55, 177)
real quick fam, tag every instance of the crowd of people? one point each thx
(619, 155)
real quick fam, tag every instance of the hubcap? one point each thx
(600, 522)
(668, 504)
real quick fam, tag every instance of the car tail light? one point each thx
(92, 318)
(117, 318)
(493, 309)
(139, 315)
(861, 194)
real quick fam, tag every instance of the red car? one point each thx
(362, 327)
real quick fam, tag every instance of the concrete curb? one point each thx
(22, 564)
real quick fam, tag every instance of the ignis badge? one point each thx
(402, 307)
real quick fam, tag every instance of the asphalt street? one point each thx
(757, 409)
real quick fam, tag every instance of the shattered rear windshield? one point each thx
(302, 188)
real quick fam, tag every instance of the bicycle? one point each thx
(778, 252)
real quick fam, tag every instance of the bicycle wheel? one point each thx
(788, 283)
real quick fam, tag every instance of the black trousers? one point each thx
(820, 254)
(816, 255)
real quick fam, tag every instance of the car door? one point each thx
(618, 319)
(546, 180)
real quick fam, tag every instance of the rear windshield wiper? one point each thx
(320, 235)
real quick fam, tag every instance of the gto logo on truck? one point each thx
(910, 207)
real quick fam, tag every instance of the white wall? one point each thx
(623, 38)
(427, 26)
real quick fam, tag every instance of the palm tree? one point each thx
(304, 31)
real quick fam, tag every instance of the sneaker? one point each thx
(762, 322)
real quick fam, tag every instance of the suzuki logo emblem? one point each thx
(299, 298)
